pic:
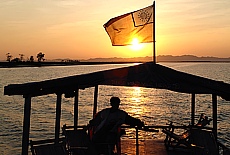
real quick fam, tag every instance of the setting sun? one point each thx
(136, 45)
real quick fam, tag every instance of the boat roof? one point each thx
(148, 75)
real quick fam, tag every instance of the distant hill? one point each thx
(160, 58)
(189, 58)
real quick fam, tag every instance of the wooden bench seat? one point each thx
(48, 147)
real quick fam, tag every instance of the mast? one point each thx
(154, 42)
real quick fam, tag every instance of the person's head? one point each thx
(115, 102)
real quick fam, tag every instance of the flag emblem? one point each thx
(137, 24)
(143, 16)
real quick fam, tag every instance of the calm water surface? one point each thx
(153, 106)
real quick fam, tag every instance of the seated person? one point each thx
(203, 121)
(107, 123)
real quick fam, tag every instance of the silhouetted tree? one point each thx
(21, 57)
(40, 56)
(31, 58)
(8, 57)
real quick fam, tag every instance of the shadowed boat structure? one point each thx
(148, 75)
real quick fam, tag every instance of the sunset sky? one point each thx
(74, 28)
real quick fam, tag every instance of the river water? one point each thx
(153, 106)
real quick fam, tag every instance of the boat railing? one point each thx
(146, 128)
(223, 150)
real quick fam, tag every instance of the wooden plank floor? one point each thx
(147, 147)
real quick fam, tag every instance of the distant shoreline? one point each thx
(43, 64)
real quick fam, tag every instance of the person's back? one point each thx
(115, 119)
(107, 123)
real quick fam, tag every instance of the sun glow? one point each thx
(136, 45)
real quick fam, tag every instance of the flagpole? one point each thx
(154, 41)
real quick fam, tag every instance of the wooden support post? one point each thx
(214, 113)
(193, 109)
(26, 125)
(58, 117)
(95, 100)
(137, 143)
(76, 108)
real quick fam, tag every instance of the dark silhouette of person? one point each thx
(107, 124)
(203, 120)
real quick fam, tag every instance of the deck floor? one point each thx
(147, 147)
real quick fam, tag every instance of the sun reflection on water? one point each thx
(135, 101)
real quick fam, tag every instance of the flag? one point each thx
(136, 25)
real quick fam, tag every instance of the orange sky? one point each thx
(74, 28)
